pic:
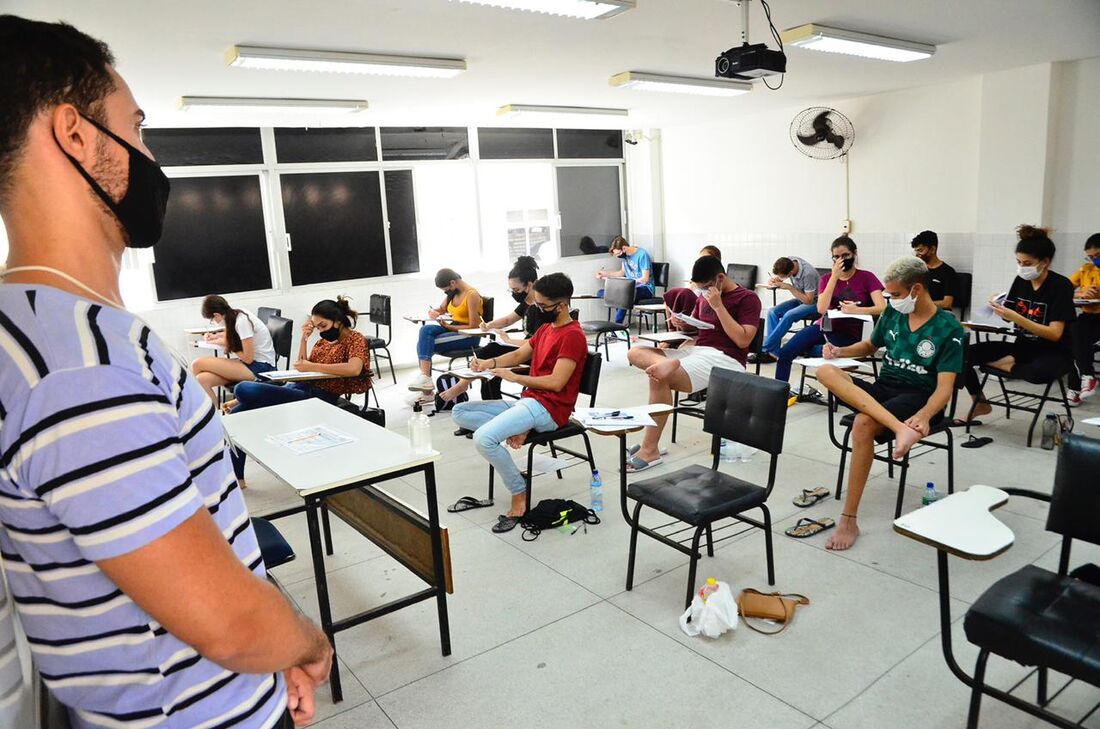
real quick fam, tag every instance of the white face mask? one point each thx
(906, 305)
(1027, 273)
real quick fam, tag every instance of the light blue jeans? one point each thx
(782, 317)
(495, 421)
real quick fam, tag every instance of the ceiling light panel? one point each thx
(849, 42)
(292, 59)
(659, 82)
(584, 9)
(238, 104)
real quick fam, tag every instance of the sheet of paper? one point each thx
(540, 463)
(604, 417)
(1085, 302)
(1091, 421)
(697, 323)
(843, 362)
(664, 337)
(292, 375)
(465, 373)
(310, 440)
(838, 314)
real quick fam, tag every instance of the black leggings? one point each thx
(1037, 366)
(1086, 332)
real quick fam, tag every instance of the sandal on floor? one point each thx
(807, 527)
(635, 448)
(463, 432)
(468, 502)
(634, 464)
(810, 497)
(505, 524)
(961, 423)
(973, 442)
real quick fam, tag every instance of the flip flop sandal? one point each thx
(635, 448)
(463, 432)
(807, 527)
(810, 497)
(505, 524)
(634, 464)
(468, 502)
(960, 423)
(973, 442)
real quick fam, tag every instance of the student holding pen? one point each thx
(464, 305)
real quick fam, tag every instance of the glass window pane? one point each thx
(352, 144)
(215, 238)
(334, 221)
(401, 212)
(501, 143)
(589, 201)
(446, 211)
(590, 144)
(424, 143)
(516, 200)
(189, 147)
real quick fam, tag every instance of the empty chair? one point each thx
(266, 312)
(660, 281)
(618, 293)
(282, 332)
(743, 274)
(380, 315)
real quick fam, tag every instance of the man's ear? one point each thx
(73, 134)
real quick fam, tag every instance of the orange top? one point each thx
(341, 352)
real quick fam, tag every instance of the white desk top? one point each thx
(297, 376)
(767, 286)
(445, 319)
(374, 453)
(979, 326)
(961, 524)
(479, 332)
(664, 337)
(651, 409)
(202, 344)
(649, 307)
(208, 329)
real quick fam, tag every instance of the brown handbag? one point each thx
(775, 606)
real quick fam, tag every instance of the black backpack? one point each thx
(554, 513)
(443, 382)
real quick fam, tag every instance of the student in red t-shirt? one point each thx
(735, 313)
(557, 353)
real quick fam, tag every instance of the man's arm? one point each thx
(947, 302)
(522, 355)
(554, 382)
(945, 388)
(860, 349)
(806, 297)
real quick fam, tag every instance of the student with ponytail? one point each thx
(244, 336)
(463, 304)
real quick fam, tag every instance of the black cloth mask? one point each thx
(330, 335)
(141, 210)
(519, 297)
(849, 264)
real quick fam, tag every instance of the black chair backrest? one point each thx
(757, 344)
(1075, 500)
(822, 272)
(660, 275)
(282, 331)
(964, 286)
(486, 309)
(266, 312)
(742, 274)
(746, 408)
(380, 310)
(618, 293)
(590, 378)
(575, 314)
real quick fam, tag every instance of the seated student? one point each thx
(243, 335)
(1086, 332)
(924, 355)
(735, 313)
(848, 289)
(464, 304)
(557, 354)
(521, 281)
(796, 276)
(941, 277)
(1040, 306)
(681, 300)
(636, 265)
(340, 351)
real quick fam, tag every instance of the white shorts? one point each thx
(699, 361)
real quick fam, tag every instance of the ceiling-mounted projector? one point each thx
(750, 61)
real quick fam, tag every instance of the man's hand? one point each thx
(713, 297)
(299, 696)
(484, 326)
(775, 282)
(849, 307)
(1005, 313)
(505, 374)
(830, 351)
(517, 441)
(920, 424)
(600, 275)
(479, 365)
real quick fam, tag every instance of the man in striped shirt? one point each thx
(126, 543)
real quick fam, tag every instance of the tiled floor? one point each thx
(544, 628)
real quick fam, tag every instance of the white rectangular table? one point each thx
(374, 456)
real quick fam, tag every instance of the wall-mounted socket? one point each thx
(845, 226)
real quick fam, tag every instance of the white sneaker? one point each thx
(422, 383)
(1088, 386)
(1073, 399)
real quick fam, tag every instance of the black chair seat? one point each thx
(1053, 374)
(1035, 617)
(566, 431)
(697, 494)
(650, 300)
(602, 327)
(274, 549)
(937, 426)
(376, 342)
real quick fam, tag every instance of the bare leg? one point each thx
(981, 405)
(455, 390)
(840, 384)
(864, 431)
(214, 372)
(665, 375)
(426, 367)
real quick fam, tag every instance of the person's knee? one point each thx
(828, 375)
(639, 357)
(484, 441)
(864, 427)
(197, 366)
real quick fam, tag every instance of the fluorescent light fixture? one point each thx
(835, 40)
(231, 103)
(641, 81)
(516, 109)
(585, 9)
(290, 59)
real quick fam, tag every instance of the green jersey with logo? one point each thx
(917, 358)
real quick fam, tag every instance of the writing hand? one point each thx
(829, 351)
(849, 307)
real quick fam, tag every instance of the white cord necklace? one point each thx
(67, 277)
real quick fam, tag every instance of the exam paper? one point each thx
(697, 323)
(310, 440)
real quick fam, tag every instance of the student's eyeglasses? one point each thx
(842, 257)
(548, 309)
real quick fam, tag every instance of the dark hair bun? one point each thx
(1030, 231)
(527, 262)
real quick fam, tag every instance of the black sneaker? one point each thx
(763, 358)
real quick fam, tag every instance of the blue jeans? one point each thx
(255, 395)
(495, 421)
(807, 341)
(780, 319)
(434, 339)
(645, 291)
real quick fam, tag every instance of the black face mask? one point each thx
(519, 297)
(330, 335)
(849, 264)
(141, 210)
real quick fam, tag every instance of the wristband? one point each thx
(494, 363)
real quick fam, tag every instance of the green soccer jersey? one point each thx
(917, 358)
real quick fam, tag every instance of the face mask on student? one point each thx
(1028, 273)
(520, 297)
(1093, 261)
(330, 335)
(906, 305)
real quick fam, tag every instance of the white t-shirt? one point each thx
(249, 326)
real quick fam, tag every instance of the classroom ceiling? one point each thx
(168, 50)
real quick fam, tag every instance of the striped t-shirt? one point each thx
(106, 444)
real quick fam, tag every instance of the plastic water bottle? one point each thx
(727, 451)
(930, 495)
(1050, 431)
(597, 491)
(708, 589)
(420, 431)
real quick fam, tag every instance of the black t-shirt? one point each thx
(533, 318)
(1052, 302)
(942, 282)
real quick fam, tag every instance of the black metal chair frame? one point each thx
(289, 338)
(467, 353)
(606, 328)
(1021, 399)
(381, 316)
(698, 530)
(660, 280)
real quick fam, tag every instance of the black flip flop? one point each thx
(468, 502)
(973, 442)
(463, 432)
(960, 423)
(505, 524)
(806, 527)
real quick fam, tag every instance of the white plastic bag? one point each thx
(712, 616)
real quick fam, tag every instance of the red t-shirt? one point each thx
(743, 305)
(549, 344)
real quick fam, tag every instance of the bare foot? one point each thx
(905, 440)
(519, 505)
(517, 441)
(980, 408)
(846, 534)
(242, 484)
(454, 391)
(662, 370)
